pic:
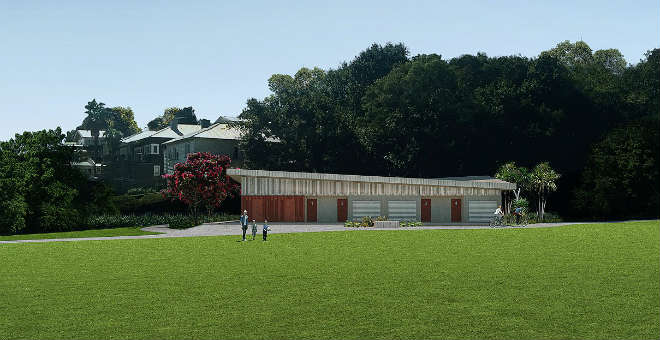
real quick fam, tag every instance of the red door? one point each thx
(342, 209)
(311, 210)
(256, 208)
(456, 210)
(426, 210)
(289, 209)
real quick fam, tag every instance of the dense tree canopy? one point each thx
(621, 178)
(39, 189)
(185, 116)
(385, 114)
(100, 117)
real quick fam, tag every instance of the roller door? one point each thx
(366, 208)
(402, 210)
(481, 211)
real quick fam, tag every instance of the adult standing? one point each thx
(244, 222)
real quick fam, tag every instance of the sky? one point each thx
(55, 56)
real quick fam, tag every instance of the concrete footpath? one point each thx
(233, 228)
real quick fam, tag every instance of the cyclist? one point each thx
(498, 215)
(518, 214)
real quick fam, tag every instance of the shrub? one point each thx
(183, 222)
(367, 221)
(351, 224)
(148, 203)
(404, 224)
(179, 221)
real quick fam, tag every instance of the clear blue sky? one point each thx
(214, 55)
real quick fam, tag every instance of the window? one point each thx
(156, 170)
(155, 149)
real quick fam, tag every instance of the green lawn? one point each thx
(130, 231)
(582, 281)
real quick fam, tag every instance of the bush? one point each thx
(367, 221)
(179, 221)
(184, 222)
(404, 224)
(148, 203)
(351, 224)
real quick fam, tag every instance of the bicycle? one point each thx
(496, 221)
(521, 219)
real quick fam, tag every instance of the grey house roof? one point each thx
(215, 131)
(138, 136)
(166, 132)
(467, 182)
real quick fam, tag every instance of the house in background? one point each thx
(218, 138)
(89, 152)
(86, 145)
(90, 168)
(140, 161)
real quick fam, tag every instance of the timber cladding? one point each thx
(274, 208)
(264, 186)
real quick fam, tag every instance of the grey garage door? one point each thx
(366, 208)
(402, 210)
(481, 211)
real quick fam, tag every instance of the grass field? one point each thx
(130, 231)
(582, 281)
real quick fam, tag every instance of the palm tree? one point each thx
(543, 178)
(511, 173)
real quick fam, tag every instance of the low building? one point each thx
(219, 138)
(315, 197)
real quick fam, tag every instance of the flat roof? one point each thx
(470, 181)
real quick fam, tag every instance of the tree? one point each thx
(509, 172)
(72, 136)
(201, 182)
(621, 177)
(412, 119)
(611, 60)
(122, 119)
(543, 179)
(313, 115)
(185, 116)
(117, 122)
(38, 185)
(571, 54)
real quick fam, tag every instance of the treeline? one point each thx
(385, 113)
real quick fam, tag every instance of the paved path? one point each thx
(233, 228)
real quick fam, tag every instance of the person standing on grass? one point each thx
(244, 222)
(254, 229)
(266, 229)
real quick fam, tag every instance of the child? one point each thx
(254, 229)
(266, 229)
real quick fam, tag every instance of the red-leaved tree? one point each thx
(201, 182)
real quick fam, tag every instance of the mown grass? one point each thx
(128, 231)
(574, 282)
